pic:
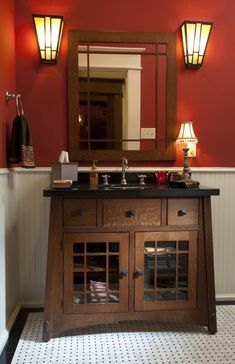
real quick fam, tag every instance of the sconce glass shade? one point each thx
(188, 138)
(195, 36)
(49, 32)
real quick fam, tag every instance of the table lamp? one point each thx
(188, 140)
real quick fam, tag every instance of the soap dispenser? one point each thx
(94, 178)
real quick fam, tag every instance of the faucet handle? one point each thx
(142, 177)
(106, 181)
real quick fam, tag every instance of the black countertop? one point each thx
(129, 191)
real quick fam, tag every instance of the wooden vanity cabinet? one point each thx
(143, 258)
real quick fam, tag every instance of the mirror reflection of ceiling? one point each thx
(122, 97)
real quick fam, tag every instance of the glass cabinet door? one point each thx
(95, 272)
(166, 268)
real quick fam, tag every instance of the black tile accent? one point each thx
(222, 303)
(9, 349)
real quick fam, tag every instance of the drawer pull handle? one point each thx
(123, 274)
(138, 273)
(182, 212)
(131, 213)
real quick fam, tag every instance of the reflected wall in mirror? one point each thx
(121, 95)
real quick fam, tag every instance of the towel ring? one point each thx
(19, 105)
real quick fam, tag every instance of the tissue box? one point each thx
(64, 171)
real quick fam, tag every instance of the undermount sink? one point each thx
(125, 187)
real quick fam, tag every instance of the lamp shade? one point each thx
(186, 133)
(188, 138)
(49, 32)
(195, 36)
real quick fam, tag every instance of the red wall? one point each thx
(7, 73)
(205, 96)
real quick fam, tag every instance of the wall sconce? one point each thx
(189, 140)
(195, 36)
(49, 32)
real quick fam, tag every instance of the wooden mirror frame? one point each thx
(75, 37)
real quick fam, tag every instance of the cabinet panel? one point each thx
(78, 213)
(182, 211)
(128, 212)
(166, 270)
(95, 272)
(159, 268)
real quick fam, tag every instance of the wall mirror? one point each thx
(121, 95)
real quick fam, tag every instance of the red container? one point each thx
(161, 177)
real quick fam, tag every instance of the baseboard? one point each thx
(5, 334)
(225, 297)
(32, 305)
(13, 317)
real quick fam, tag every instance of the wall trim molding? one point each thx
(118, 169)
(4, 171)
(213, 169)
(30, 170)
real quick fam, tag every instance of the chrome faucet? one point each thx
(124, 168)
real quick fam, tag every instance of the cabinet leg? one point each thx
(46, 335)
(212, 326)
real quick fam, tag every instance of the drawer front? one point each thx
(132, 212)
(182, 211)
(78, 212)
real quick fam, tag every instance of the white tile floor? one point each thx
(130, 342)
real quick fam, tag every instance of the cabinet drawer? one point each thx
(131, 212)
(79, 212)
(182, 211)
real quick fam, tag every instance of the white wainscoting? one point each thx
(9, 263)
(223, 217)
(33, 218)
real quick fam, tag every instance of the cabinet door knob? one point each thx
(131, 213)
(182, 212)
(138, 273)
(123, 274)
